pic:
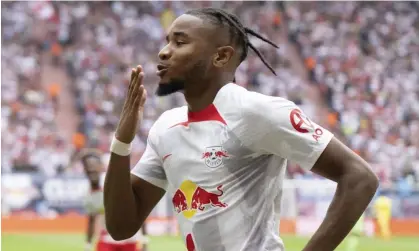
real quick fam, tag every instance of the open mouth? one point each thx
(161, 67)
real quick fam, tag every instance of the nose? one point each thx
(164, 53)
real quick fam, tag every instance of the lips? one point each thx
(161, 70)
(161, 67)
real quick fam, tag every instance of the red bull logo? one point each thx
(190, 198)
(214, 155)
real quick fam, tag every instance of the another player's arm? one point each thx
(128, 199)
(356, 186)
(92, 216)
(91, 223)
(282, 129)
(144, 240)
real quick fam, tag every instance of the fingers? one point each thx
(137, 92)
(141, 97)
(131, 84)
(136, 81)
(133, 71)
(132, 79)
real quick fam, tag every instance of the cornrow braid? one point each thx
(238, 32)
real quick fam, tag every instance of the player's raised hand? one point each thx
(133, 107)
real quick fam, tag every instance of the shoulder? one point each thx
(168, 119)
(236, 104)
(257, 104)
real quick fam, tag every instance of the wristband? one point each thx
(120, 148)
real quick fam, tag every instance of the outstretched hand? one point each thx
(132, 111)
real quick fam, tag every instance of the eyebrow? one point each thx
(178, 34)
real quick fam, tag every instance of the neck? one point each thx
(199, 99)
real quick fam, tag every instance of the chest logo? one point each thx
(190, 198)
(214, 156)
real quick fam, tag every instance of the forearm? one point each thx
(122, 220)
(90, 228)
(354, 193)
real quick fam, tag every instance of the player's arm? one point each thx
(92, 216)
(128, 198)
(144, 239)
(91, 223)
(356, 186)
(282, 129)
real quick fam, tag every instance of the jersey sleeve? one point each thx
(150, 166)
(274, 125)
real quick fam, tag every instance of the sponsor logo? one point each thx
(303, 124)
(214, 155)
(190, 245)
(191, 198)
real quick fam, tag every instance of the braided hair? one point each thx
(238, 32)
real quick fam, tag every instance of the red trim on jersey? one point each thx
(210, 113)
(103, 232)
(167, 156)
(103, 246)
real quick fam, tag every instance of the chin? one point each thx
(166, 88)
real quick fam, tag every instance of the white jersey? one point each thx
(94, 205)
(224, 166)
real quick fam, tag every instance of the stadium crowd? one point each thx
(362, 57)
(30, 139)
(365, 59)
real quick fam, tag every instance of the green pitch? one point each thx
(56, 242)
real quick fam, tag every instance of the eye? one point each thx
(179, 43)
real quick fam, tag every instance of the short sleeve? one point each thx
(273, 125)
(150, 166)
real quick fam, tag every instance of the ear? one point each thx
(223, 56)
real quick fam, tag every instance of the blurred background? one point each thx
(351, 66)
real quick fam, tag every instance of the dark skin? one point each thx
(199, 54)
(193, 45)
(92, 170)
(92, 167)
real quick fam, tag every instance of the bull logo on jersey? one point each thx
(191, 198)
(214, 155)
